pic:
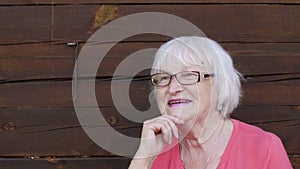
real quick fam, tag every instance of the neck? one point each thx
(196, 153)
(202, 131)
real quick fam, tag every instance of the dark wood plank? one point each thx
(66, 163)
(59, 93)
(35, 68)
(40, 2)
(210, 17)
(38, 50)
(57, 132)
(54, 132)
(67, 23)
(266, 93)
(295, 160)
(24, 23)
(53, 22)
(41, 61)
(258, 59)
(82, 163)
(28, 129)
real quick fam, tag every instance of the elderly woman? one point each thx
(197, 88)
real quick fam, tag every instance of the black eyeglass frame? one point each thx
(200, 76)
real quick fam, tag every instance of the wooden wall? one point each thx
(39, 127)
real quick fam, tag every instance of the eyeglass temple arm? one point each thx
(208, 75)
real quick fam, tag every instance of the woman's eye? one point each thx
(164, 78)
(189, 75)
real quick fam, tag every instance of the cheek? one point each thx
(159, 95)
(204, 94)
(161, 99)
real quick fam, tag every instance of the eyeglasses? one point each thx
(184, 78)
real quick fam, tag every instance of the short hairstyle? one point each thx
(193, 50)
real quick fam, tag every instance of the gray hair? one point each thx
(188, 50)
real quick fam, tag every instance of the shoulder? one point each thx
(253, 147)
(253, 139)
(248, 131)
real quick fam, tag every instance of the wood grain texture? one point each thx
(66, 163)
(39, 61)
(48, 2)
(83, 163)
(58, 93)
(39, 126)
(57, 132)
(68, 23)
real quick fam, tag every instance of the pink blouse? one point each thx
(249, 148)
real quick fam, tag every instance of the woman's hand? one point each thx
(156, 133)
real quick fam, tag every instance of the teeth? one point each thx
(178, 101)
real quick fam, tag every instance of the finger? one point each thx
(171, 120)
(174, 128)
(170, 125)
(166, 131)
(176, 120)
(158, 126)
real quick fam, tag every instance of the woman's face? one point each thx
(188, 102)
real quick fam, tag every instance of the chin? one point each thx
(177, 112)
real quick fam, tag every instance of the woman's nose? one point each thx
(174, 86)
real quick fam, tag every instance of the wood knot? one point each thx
(9, 126)
(103, 15)
(53, 161)
(112, 120)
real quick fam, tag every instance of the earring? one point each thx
(220, 107)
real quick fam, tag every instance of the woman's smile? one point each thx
(178, 102)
